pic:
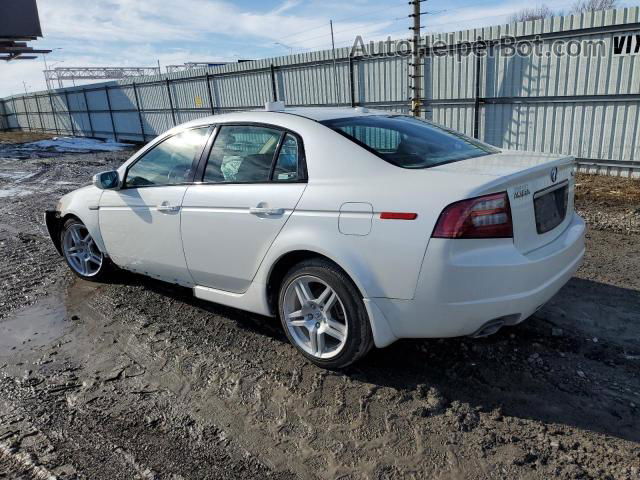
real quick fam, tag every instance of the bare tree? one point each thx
(583, 6)
(536, 13)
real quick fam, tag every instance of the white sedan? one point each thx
(355, 227)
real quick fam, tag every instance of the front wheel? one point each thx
(323, 314)
(81, 253)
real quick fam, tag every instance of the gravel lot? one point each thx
(137, 379)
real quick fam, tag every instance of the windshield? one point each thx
(407, 141)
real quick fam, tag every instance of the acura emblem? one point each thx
(554, 174)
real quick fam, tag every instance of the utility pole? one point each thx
(46, 67)
(46, 78)
(416, 59)
(335, 70)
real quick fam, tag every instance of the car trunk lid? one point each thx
(540, 189)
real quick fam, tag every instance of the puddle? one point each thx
(33, 326)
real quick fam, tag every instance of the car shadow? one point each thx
(547, 369)
(575, 362)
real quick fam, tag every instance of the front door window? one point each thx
(168, 163)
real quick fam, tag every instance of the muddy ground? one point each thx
(137, 379)
(16, 138)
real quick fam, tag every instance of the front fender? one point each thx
(83, 204)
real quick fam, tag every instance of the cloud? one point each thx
(286, 6)
(130, 21)
(132, 32)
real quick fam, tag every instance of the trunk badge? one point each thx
(521, 191)
(554, 174)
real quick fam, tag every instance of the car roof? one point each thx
(321, 114)
(316, 114)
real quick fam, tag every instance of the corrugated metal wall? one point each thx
(585, 105)
(3, 117)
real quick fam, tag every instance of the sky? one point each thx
(141, 33)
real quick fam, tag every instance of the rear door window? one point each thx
(242, 154)
(407, 141)
(288, 166)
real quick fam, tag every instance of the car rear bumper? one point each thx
(466, 284)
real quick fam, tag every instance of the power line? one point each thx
(336, 32)
(566, 3)
(297, 43)
(327, 43)
(358, 17)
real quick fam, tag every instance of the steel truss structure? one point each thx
(193, 66)
(60, 74)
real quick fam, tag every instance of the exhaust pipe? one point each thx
(489, 328)
(492, 326)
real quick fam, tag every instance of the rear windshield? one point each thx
(407, 141)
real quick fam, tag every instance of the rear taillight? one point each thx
(488, 216)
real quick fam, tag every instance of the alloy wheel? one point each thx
(315, 317)
(81, 251)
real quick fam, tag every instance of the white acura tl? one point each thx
(355, 227)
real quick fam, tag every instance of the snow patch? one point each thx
(75, 145)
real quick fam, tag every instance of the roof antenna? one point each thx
(274, 106)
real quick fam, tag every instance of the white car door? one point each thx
(252, 181)
(140, 222)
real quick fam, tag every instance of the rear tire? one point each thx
(323, 314)
(81, 253)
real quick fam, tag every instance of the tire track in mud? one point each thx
(141, 345)
(284, 409)
(29, 264)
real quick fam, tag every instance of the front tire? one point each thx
(81, 253)
(323, 314)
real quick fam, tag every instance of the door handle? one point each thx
(266, 211)
(166, 208)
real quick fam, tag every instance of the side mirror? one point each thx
(106, 180)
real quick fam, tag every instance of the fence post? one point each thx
(476, 102)
(135, 94)
(352, 86)
(88, 112)
(274, 91)
(206, 77)
(173, 113)
(24, 103)
(53, 112)
(66, 98)
(15, 113)
(39, 113)
(113, 125)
